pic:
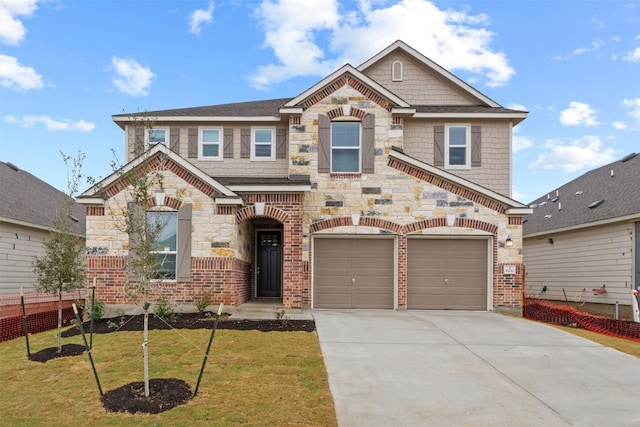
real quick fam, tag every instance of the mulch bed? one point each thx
(164, 393)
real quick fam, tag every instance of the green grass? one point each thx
(251, 378)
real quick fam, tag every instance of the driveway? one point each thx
(437, 368)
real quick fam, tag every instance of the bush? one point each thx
(203, 302)
(164, 309)
(98, 309)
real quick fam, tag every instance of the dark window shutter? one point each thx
(228, 143)
(183, 262)
(193, 143)
(175, 140)
(438, 146)
(324, 144)
(138, 142)
(281, 143)
(137, 216)
(368, 143)
(476, 146)
(245, 143)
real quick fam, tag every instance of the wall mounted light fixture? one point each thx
(508, 243)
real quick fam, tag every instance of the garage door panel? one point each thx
(447, 274)
(363, 267)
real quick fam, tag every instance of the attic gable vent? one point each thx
(596, 204)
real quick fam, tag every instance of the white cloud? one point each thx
(51, 124)
(619, 125)
(634, 108)
(518, 107)
(12, 30)
(199, 17)
(586, 152)
(521, 143)
(517, 195)
(456, 40)
(132, 78)
(14, 75)
(578, 114)
(582, 50)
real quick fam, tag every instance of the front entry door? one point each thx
(269, 264)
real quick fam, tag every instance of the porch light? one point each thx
(508, 243)
(160, 197)
(355, 219)
(259, 207)
(451, 219)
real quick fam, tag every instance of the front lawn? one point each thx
(251, 378)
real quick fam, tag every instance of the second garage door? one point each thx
(353, 273)
(447, 274)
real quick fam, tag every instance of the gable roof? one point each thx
(455, 184)
(574, 205)
(114, 183)
(31, 202)
(400, 45)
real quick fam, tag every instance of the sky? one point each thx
(67, 66)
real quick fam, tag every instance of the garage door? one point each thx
(447, 274)
(353, 273)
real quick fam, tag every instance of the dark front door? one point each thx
(269, 260)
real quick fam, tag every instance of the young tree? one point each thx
(144, 230)
(61, 268)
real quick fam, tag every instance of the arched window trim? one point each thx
(396, 71)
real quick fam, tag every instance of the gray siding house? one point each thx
(27, 209)
(584, 235)
(386, 185)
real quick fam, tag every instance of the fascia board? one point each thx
(519, 211)
(229, 201)
(457, 180)
(91, 201)
(32, 225)
(125, 120)
(347, 68)
(411, 111)
(270, 188)
(518, 117)
(291, 110)
(627, 218)
(429, 63)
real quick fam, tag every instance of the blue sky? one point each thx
(67, 66)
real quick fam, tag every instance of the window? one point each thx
(345, 147)
(262, 147)
(210, 144)
(457, 143)
(157, 136)
(165, 249)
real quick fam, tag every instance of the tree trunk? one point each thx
(60, 321)
(145, 351)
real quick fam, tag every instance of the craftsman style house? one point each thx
(382, 186)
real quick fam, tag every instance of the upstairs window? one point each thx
(262, 144)
(157, 136)
(166, 246)
(210, 144)
(345, 147)
(457, 146)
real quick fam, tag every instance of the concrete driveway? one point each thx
(436, 368)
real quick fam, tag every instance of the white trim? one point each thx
(461, 181)
(167, 137)
(518, 117)
(395, 78)
(229, 201)
(411, 111)
(626, 218)
(467, 146)
(258, 188)
(351, 148)
(91, 201)
(429, 63)
(272, 156)
(201, 143)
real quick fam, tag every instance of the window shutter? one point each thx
(183, 262)
(324, 144)
(476, 146)
(175, 140)
(245, 143)
(438, 146)
(228, 143)
(138, 142)
(137, 215)
(281, 143)
(368, 143)
(193, 143)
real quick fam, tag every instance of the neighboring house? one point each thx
(584, 235)
(28, 207)
(382, 186)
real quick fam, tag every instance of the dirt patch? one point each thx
(164, 394)
(47, 354)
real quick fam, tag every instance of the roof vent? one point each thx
(12, 166)
(579, 193)
(548, 216)
(628, 157)
(611, 173)
(543, 203)
(555, 199)
(596, 204)
(533, 206)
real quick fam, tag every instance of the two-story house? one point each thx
(382, 186)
